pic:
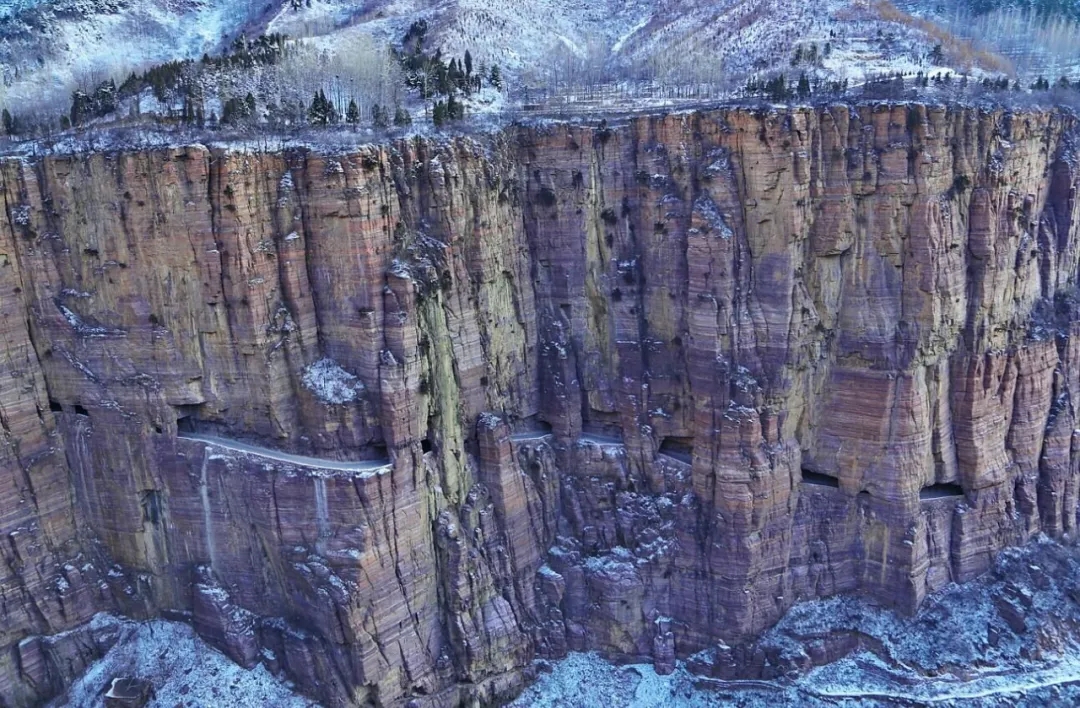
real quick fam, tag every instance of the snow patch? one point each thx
(182, 668)
(331, 383)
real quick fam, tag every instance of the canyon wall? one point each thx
(636, 389)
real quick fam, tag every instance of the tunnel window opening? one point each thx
(941, 491)
(603, 424)
(187, 419)
(678, 448)
(79, 410)
(380, 452)
(425, 445)
(819, 480)
(150, 500)
(536, 424)
(55, 406)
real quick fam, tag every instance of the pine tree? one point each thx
(380, 116)
(105, 98)
(321, 111)
(249, 101)
(352, 114)
(454, 109)
(803, 88)
(9, 122)
(438, 114)
(495, 79)
(402, 117)
(468, 63)
(776, 88)
(442, 78)
(80, 107)
(233, 110)
(131, 86)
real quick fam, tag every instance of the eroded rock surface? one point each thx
(634, 389)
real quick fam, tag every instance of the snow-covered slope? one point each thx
(683, 39)
(50, 48)
(59, 45)
(183, 670)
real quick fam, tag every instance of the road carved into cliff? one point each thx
(602, 440)
(531, 435)
(361, 467)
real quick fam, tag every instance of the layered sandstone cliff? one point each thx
(635, 389)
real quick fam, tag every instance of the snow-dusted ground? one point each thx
(184, 670)
(958, 650)
(589, 680)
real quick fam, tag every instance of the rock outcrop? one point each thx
(636, 389)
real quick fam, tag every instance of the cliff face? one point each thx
(635, 389)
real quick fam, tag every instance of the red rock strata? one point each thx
(640, 388)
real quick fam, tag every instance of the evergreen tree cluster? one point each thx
(100, 103)
(886, 86)
(246, 54)
(778, 88)
(352, 114)
(999, 84)
(237, 110)
(402, 119)
(448, 110)
(322, 111)
(10, 123)
(809, 54)
(165, 80)
(433, 77)
(774, 89)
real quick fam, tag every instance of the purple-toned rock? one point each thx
(399, 419)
